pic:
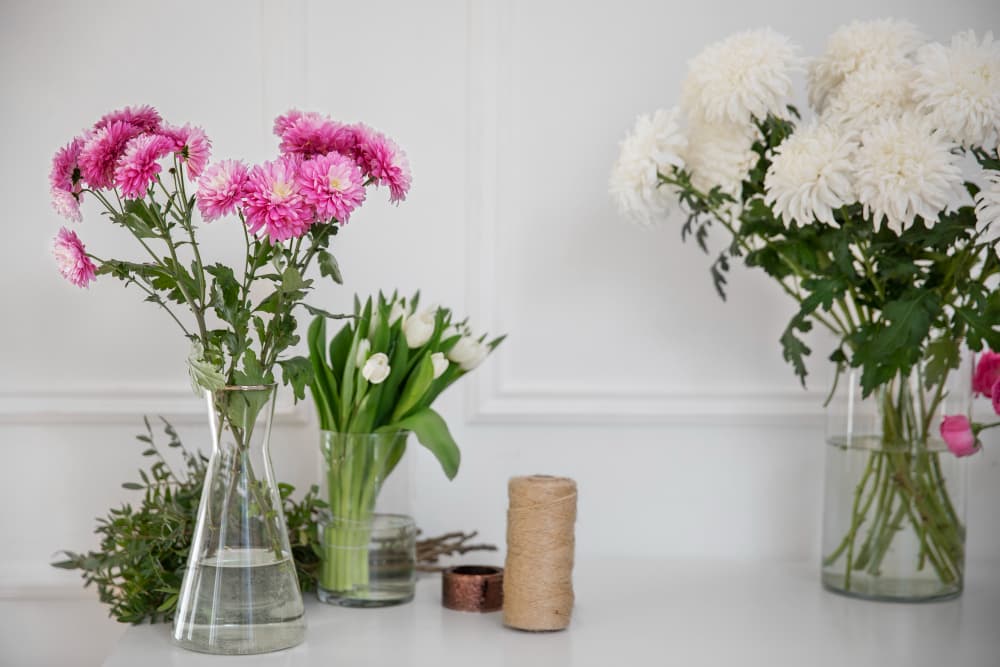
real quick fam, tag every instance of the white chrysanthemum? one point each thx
(811, 174)
(988, 200)
(720, 154)
(870, 95)
(654, 145)
(959, 87)
(880, 43)
(747, 74)
(905, 169)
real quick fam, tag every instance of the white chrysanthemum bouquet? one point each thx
(873, 215)
(859, 212)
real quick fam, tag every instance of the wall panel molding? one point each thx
(117, 405)
(492, 396)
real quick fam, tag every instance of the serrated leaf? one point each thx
(328, 266)
(204, 374)
(297, 372)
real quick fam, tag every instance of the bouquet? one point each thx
(375, 381)
(874, 216)
(140, 170)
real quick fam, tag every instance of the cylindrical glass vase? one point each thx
(367, 558)
(368, 563)
(894, 511)
(240, 592)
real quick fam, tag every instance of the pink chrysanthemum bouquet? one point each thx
(141, 169)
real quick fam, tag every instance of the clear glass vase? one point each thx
(240, 592)
(368, 563)
(894, 511)
(367, 558)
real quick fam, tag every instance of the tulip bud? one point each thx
(419, 328)
(364, 347)
(440, 364)
(397, 312)
(468, 353)
(376, 369)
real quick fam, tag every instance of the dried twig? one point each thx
(431, 549)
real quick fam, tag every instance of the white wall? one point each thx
(688, 434)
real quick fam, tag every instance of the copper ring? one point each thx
(472, 588)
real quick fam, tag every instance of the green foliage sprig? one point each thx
(143, 552)
(892, 300)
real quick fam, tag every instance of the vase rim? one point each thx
(248, 387)
(365, 433)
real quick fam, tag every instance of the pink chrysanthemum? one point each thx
(987, 373)
(144, 117)
(274, 205)
(332, 185)
(285, 120)
(384, 162)
(191, 145)
(101, 151)
(140, 164)
(65, 180)
(311, 134)
(221, 189)
(66, 204)
(71, 257)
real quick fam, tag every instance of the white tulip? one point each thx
(419, 328)
(397, 312)
(468, 353)
(376, 369)
(440, 364)
(364, 347)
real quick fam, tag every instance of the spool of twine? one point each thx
(538, 574)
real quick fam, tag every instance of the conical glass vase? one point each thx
(240, 592)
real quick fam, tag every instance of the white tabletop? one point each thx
(642, 613)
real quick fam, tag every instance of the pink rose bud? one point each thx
(987, 373)
(957, 434)
(996, 397)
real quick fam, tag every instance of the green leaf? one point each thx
(313, 310)
(204, 374)
(340, 346)
(169, 603)
(323, 384)
(139, 219)
(398, 360)
(328, 266)
(432, 432)
(943, 356)
(292, 280)
(794, 350)
(298, 372)
(348, 400)
(225, 295)
(894, 345)
(416, 386)
(133, 486)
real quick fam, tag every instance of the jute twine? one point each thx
(538, 574)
